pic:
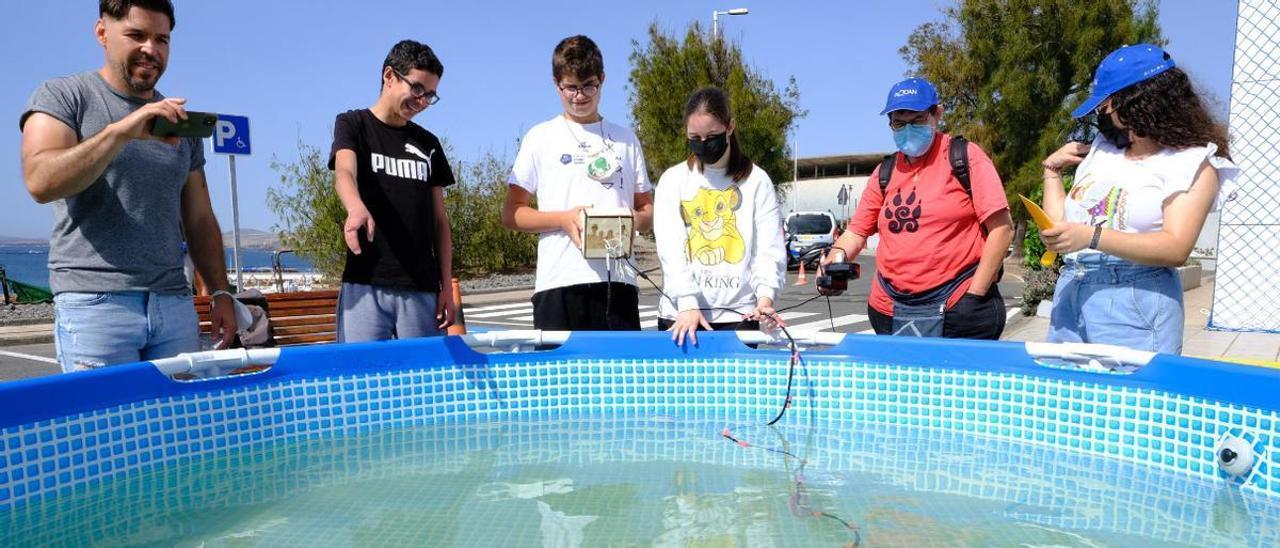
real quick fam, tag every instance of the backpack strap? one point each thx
(886, 172)
(959, 156)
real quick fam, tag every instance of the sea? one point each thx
(30, 263)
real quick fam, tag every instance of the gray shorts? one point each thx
(373, 313)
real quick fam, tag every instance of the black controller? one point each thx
(836, 276)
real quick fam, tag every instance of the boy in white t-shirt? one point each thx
(575, 161)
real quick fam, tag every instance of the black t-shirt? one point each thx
(397, 169)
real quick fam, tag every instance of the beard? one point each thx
(145, 82)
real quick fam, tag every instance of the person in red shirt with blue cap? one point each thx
(940, 210)
(1141, 193)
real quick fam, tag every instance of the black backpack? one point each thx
(959, 155)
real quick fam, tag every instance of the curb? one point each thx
(28, 321)
(493, 290)
(18, 337)
(22, 341)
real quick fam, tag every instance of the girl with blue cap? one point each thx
(1141, 194)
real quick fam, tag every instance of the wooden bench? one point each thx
(306, 317)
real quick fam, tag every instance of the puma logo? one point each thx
(417, 152)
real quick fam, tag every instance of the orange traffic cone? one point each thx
(459, 326)
(801, 279)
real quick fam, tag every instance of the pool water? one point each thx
(626, 480)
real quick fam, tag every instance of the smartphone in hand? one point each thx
(197, 124)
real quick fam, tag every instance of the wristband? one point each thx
(218, 293)
(1097, 234)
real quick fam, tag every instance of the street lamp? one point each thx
(715, 19)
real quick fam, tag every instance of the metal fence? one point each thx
(1246, 294)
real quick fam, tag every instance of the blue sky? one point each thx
(292, 65)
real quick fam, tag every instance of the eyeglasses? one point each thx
(589, 90)
(418, 90)
(899, 124)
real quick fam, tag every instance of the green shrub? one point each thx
(481, 245)
(1040, 286)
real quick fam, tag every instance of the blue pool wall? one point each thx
(61, 434)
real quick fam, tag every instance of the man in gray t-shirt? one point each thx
(122, 200)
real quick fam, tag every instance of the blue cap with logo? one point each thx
(1123, 68)
(911, 94)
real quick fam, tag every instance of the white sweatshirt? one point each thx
(719, 242)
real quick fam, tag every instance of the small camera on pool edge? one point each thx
(836, 276)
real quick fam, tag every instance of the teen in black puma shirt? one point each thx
(390, 174)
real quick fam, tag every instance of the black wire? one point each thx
(830, 314)
(798, 480)
(802, 303)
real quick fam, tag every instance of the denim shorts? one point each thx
(98, 329)
(1107, 300)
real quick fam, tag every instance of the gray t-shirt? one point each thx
(123, 233)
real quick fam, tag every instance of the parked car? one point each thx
(808, 234)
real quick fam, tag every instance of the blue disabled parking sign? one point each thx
(231, 135)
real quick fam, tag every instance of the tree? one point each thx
(481, 244)
(666, 71)
(304, 201)
(312, 216)
(1009, 72)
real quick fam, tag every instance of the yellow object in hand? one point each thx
(1042, 222)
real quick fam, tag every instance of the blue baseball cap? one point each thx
(911, 94)
(1123, 68)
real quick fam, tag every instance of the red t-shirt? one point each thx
(929, 228)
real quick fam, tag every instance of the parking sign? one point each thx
(231, 135)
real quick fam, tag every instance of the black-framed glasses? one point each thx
(899, 124)
(589, 90)
(418, 91)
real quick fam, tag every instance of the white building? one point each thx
(822, 179)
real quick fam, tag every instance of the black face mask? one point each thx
(1118, 137)
(711, 150)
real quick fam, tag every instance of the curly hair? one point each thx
(1166, 109)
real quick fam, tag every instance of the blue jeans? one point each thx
(99, 329)
(374, 313)
(1107, 300)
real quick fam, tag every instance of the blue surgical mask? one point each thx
(914, 139)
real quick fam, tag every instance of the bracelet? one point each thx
(1097, 234)
(218, 293)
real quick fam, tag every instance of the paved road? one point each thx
(848, 314)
